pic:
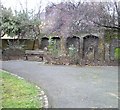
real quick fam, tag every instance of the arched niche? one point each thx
(44, 42)
(75, 41)
(114, 49)
(57, 42)
(90, 47)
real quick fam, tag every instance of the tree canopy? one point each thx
(21, 24)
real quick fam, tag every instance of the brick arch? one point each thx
(90, 47)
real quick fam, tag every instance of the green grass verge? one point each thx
(17, 93)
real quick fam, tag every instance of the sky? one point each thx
(31, 4)
(34, 4)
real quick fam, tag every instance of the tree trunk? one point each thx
(119, 26)
(118, 11)
(34, 44)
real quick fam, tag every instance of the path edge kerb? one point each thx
(42, 95)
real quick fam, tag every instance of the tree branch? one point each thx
(107, 26)
(2, 35)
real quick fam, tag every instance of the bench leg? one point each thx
(26, 57)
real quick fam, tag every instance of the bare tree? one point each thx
(70, 18)
(83, 16)
(107, 14)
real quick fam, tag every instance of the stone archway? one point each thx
(73, 49)
(57, 42)
(75, 41)
(90, 47)
(44, 42)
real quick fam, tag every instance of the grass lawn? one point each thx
(17, 93)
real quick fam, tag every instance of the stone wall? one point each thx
(92, 49)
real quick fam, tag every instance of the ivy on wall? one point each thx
(111, 34)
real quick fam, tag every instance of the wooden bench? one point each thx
(38, 53)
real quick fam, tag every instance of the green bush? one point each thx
(72, 51)
(16, 45)
(110, 34)
(53, 47)
(117, 53)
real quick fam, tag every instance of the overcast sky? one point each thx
(33, 4)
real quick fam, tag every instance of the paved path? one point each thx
(70, 86)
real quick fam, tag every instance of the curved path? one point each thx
(70, 86)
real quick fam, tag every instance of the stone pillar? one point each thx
(81, 48)
(39, 40)
(107, 52)
(112, 49)
(96, 49)
(63, 46)
(101, 50)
